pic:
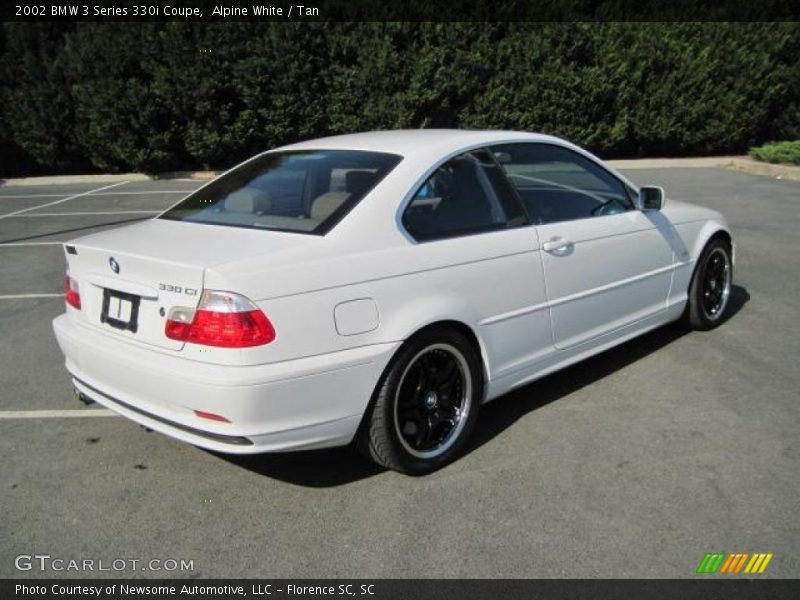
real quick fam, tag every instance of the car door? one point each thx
(606, 264)
(479, 250)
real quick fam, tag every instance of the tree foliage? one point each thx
(169, 96)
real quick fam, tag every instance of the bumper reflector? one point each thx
(211, 416)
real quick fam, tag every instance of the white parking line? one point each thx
(25, 296)
(18, 196)
(87, 214)
(32, 196)
(57, 414)
(141, 193)
(13, 244)
(30, 208)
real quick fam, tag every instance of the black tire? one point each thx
(710, 288)
(411, 396)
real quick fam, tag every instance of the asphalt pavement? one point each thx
(634, 463)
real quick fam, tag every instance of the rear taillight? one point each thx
(221, 319)
(71, 293)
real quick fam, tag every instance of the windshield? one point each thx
(306, 191)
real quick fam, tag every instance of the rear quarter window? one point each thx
(466, 195)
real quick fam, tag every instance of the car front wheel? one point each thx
(426, 403)
(710, 289)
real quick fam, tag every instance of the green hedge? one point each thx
(155, 97)
(778, 152)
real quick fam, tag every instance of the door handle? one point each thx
(556, 244)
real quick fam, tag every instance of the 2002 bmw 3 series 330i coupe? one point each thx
(377, 288)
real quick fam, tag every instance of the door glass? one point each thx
(557, 184)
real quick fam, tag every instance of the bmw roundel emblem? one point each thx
(112, 262)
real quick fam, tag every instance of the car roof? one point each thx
(411, 141)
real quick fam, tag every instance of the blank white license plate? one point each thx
(120, 310)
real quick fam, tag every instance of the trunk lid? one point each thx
(130, 278)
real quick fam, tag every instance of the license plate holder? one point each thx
(120, 310)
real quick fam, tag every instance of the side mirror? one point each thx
(651, 197)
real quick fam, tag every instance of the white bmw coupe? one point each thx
(377, 288)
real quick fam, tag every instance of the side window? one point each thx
(557, 184)
(468, 194)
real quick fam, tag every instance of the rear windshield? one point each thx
(300, 191)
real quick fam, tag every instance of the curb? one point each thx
(703, 162)
(196, 175)
(69, 179)
(743, 164)
(107, 178)
(751, 166)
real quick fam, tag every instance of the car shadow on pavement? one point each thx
(500, 414)
(340, 466)
(309, 468)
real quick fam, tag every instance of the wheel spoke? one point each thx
(444, 374)
(422, 376)
(409, 412)
(446, 387)
(713, 268)
(447, 402)
(422, 439)
(428, 367)
(439, 425)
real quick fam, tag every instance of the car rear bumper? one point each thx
(313, 402)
